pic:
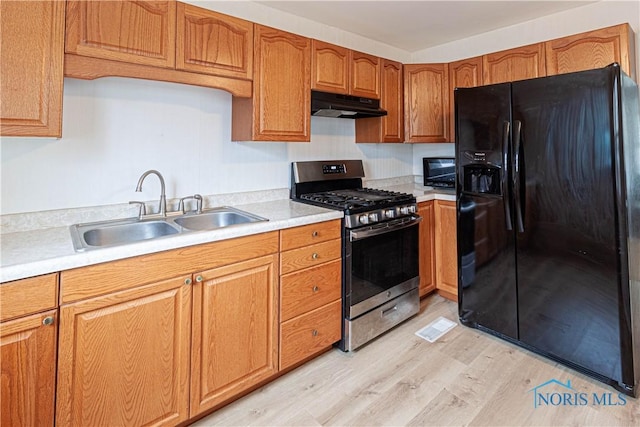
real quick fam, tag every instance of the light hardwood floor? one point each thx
(465, 378)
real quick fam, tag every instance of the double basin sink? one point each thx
(120, 232)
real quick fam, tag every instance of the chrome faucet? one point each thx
(162, 210)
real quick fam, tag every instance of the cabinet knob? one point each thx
(315, 255)
(314, 333)
(315, 289)
(48, 320)
(187, 281)
(199, 278)
(314, 234)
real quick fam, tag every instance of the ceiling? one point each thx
(418, 25)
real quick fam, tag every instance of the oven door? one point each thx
(381, 263)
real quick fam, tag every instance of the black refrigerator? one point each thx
(548, 211)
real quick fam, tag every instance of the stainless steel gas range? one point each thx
(380, 260)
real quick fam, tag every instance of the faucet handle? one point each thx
(143, 207)
(196, 197)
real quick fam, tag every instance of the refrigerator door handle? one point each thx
(517, 138)
(505, 175)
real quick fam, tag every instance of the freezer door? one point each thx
(566, 220)
(486, 242)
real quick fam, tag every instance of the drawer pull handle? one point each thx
(315, 255)
(48, 321)
(314, 234)
(199, 279)
(187, 281)
(389, 310)
(315, 289)
(314, 332)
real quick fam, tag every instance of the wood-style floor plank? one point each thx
(467, 377)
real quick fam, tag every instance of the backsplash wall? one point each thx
(114, 129)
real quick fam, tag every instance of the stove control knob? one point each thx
(373, 217)
(363, 219)
(389, 213)
(412, 209)
(404, 210)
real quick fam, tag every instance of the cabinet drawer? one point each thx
(310, 333)
(310, 256)
(309, 289)
(293, 238)
(28, 296)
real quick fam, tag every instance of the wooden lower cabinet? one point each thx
(235, 330)
(427, 248)
(310, 291)
(125, 357)
(446, 249)
(28, 355)
(310, 333)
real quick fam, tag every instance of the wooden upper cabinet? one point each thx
(593, 49)
(330, 67)
(389, 128)
(280, 109)
(464, 73)
(521, 63)
(31, 76)
(365, 75)
(213, 43)
(426, 102)
(341, 70)
(140, 32)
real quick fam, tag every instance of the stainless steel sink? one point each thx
(216, 218)
(120, 232)
(113, 233)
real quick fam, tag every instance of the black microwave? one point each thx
(439, 171)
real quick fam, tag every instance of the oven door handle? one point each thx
(383, 228)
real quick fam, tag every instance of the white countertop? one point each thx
(32, 253)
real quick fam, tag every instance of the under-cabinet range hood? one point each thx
(328, 104)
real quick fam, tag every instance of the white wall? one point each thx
(114, 129)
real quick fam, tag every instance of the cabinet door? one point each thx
(212, 43)
(280, 109)
(426, 102)
(446, 249)
(31, 53)
(235, 330)
(593, 49)
(126, 357)
(392, 101)
(139, 32)
(28, 354)
(365, 75)
(330, 67)
(521, 63)
(427, 248)
(464, 73)
(389, 128)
